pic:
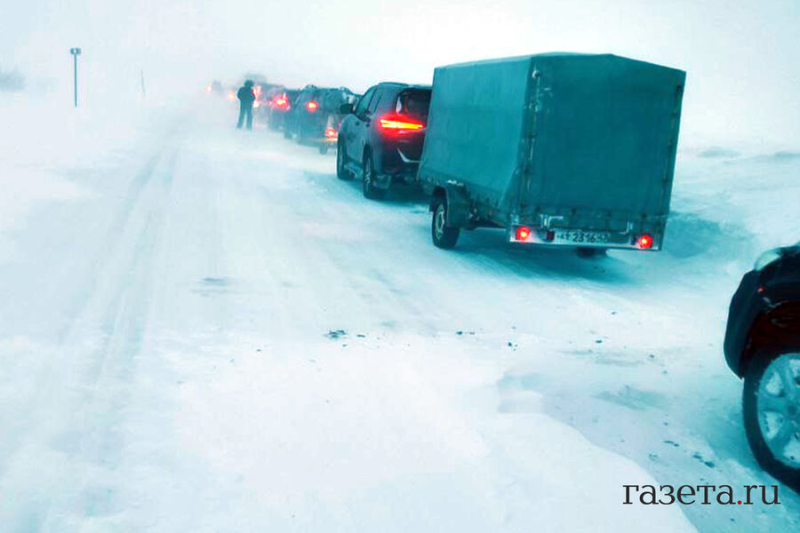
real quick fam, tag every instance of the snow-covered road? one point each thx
(210, 332)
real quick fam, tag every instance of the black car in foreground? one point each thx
(762, 345)
(317, 115)
(381, 139)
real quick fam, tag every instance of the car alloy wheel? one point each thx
(778, 408)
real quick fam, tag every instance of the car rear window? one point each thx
(333, 100)
(414, 102)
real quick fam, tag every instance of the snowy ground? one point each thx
(202, 329)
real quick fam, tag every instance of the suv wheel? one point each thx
(341, 161)
(443, 236)
(771, 405)
(368, 180)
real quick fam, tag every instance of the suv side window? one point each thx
(388, 100)
(379, 95)
(361, 108)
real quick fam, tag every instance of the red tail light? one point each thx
(330, 133)
(312, 106)
(645, 242)
(523, 232)
(281, 102)
(399, 124)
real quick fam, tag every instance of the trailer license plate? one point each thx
(576, 236)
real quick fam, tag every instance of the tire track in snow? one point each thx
(88, 383)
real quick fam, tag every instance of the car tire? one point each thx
(765, 365)
(443, 236)
(368, 180)
(287, 134)
(323, 149)
(341, 164)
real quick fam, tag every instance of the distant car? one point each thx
(215, 87)
(317, 115)
(280, 107)
(762, 345)
(380, 141)
(304, 104)
(264, 94)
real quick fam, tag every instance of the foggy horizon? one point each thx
(740, 57)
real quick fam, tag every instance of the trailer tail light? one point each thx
(399, 124)
(523, 233)
(645, 242)
(330, 133)
(312, 106)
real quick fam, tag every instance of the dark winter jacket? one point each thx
(246, 96)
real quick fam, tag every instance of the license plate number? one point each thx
(576, 236)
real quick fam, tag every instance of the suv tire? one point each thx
(785, 415)
(341, 163)
(368, 180)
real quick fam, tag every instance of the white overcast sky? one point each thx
(742, 56)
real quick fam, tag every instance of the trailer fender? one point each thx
(458, 203)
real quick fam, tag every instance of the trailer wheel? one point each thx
(443, 236)
(368, 180)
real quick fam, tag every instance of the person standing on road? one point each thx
(246, 97)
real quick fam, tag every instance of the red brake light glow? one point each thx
(645, 242)
(312, 106)
(330, 133)
(523, 232)
(399, 124)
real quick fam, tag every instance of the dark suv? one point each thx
(279, 107)
(762, 345)
(317, 115)
(381, 139)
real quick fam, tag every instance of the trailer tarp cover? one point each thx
(557, 133)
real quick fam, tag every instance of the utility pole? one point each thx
(75, 53)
